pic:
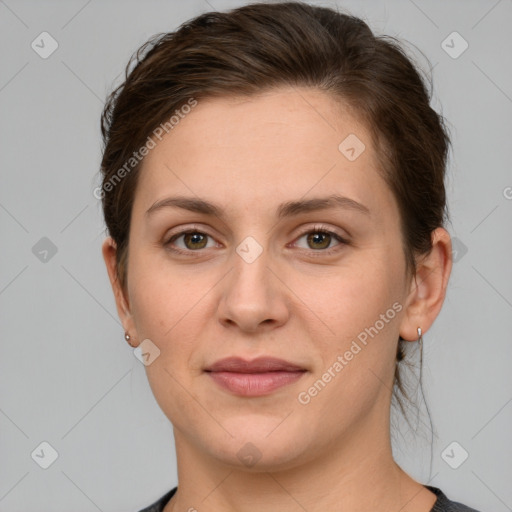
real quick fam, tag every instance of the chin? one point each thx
(258, 446)
(256, 458)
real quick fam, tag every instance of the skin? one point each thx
(294, 302)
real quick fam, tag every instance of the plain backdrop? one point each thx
(68, 378)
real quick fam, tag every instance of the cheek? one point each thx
(153, 309)
(361, 305)
(159, 296)
(164, 312)
(169, 319)
(352, 299)
(172, 310)
(362, 309)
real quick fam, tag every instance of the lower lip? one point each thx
(254, 384)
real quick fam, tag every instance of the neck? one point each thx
(342, 477)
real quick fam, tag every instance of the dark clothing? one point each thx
(443, 504)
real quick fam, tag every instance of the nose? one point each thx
(253, 297)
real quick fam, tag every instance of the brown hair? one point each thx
(263, 46)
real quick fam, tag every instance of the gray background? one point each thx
(67, 376)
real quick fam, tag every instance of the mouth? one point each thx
(258, 377)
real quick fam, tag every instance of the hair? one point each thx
(260, 47)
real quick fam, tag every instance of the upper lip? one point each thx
(258, 365)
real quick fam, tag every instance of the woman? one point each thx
(273, 187)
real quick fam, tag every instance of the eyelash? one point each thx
(316, 229)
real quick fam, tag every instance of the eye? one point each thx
(320, 238)
(192, 239)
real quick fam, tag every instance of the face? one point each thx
(271, 273)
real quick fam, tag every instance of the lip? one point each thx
(258, 365)
(258, 377)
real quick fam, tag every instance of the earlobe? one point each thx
(109, 250)
(428, 287)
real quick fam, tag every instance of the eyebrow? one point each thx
(287, 209)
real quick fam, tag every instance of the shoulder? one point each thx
(158, 506)
(444, 504)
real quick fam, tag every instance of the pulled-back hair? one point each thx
(259, 47)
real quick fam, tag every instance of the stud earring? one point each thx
(128, 338)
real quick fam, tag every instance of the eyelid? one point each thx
(320, 228)
(183, 231)
(323, 228)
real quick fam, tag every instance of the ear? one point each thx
(109, 250)
(428, 287)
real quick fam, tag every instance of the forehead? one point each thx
(283, 142)
(279, 118)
